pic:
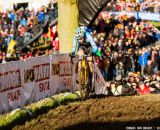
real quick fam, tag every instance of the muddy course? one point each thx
(107, 113)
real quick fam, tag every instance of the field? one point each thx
(156, 24)
(105, 113)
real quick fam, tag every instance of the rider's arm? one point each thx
(74, 45)
(91, 41)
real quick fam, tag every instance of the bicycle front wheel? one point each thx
(84, 86)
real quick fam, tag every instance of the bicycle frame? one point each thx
(84, 77)
(84, 68)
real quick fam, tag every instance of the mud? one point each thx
(109, 113)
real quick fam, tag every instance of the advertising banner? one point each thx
(28, 81)
(36, 78)
(98, 82)
(10, 86)
(61, 73)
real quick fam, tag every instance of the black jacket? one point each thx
(149, 69)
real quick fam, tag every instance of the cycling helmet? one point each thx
(79, 33)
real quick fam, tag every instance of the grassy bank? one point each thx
(156, 24)
(19, 116)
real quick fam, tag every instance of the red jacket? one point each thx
(146, 90)
(56, 44)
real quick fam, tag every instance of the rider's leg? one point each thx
(80, 54)
(90, 73)
(90, 64)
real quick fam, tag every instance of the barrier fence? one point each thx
(140, 15)
(25, 82)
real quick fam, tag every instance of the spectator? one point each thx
(21, 26)
(142, 60)
(125, 48)
(23, 22)
(149, 68)
(41, 17)
(143, 89)
(134, 5)
(129, 62)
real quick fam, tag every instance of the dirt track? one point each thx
(101, 114)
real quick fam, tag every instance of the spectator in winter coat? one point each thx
(143, 89)
(120, 65)
(142, 60)
(23, 22)
(129, 62)
(12, 16)
(41, 17)
(149, 68)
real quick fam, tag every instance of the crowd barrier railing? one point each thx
(27, 81)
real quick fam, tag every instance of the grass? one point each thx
(19, 116)
(156, 24)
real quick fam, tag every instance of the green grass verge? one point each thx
(17, 117)
(156, 24)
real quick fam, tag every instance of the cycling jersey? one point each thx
(88, 41)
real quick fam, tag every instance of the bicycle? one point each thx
(84, 79)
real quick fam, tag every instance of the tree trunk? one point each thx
(67, 23)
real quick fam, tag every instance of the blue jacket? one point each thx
(87, 39)
(143, 59)
(23, 22)
(12, 16)
(41, 17)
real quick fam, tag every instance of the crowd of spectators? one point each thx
(134, 5)
(21, 26)
(125, 62)
(123, 42)
(135, 84)
(151, 6)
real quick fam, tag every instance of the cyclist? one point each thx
(84, 43)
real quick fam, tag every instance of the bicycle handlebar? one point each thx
(84, 56)
(80, 58)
